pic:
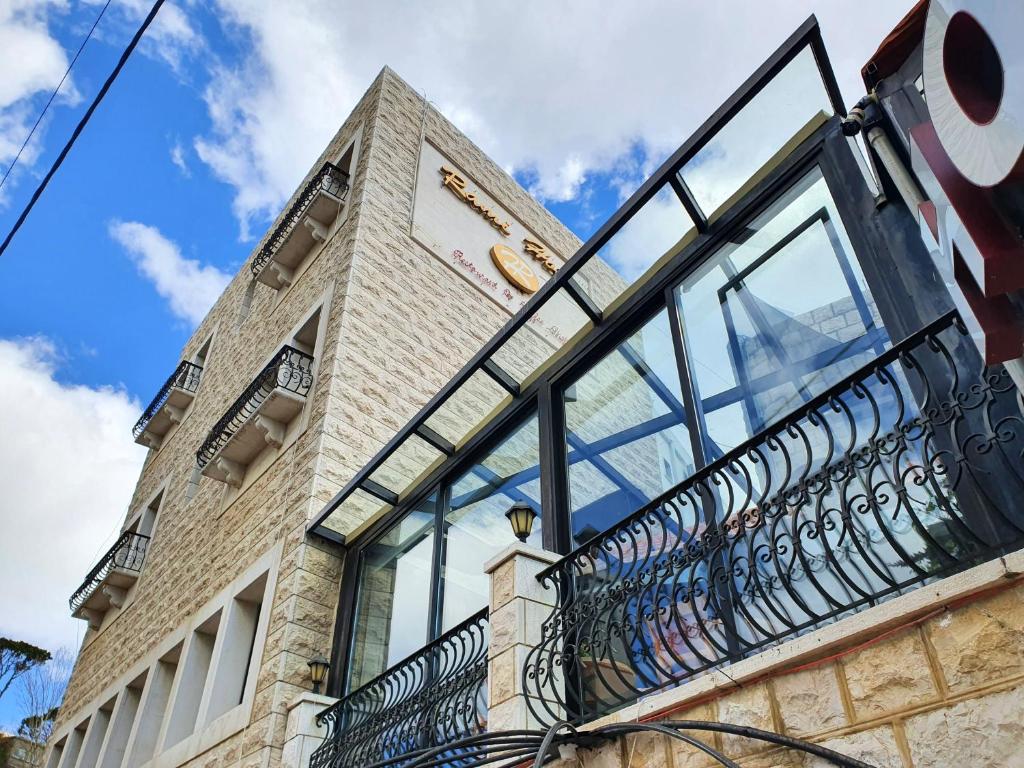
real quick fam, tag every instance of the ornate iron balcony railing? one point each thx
(186, 377)
(908, 470)
(128, 553)
(290, 370)
(434, 697)
(330, 179)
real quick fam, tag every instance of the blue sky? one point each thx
(213, 122)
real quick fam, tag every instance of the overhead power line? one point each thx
(53, 95)
(82, 123)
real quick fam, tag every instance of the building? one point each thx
(765, 479)
(18, 752)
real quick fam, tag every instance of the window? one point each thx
(394, 594)
(424, 574)
(475, 526)
(776, 317)
(239, 637)
(625, 428)
(204, 352)
(199, 682)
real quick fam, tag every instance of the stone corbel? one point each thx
(151, 440)
(116, 595)
(94, 617)
(318, 230)
(175, 414)
(283, 274)
(273, 431)
(232, 471)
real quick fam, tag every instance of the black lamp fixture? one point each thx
(521, 515)
(318, 667)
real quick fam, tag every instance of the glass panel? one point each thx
(660, 227)
(543, 336)
(794, 97)
(466, 407)
(626, 435)
(476, 528)
(354, 511)
(778, 317)
(393, 607)
(408, 461)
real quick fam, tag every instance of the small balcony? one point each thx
(168, 407)
(432, 698)
(305, 224)
(108, 583)
(259, 418)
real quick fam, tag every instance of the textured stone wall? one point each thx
(400, 323)
(948, 689)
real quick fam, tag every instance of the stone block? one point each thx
(502, 584)
(984, 731)
(981, 642)
(686, 755)
(809, 701)
(876, 747)
(889, 677)
(605, 756)
(645, 750)
(748, 706)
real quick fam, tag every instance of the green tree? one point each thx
(17, 658)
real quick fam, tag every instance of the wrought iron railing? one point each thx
(186, 376)
(128, 553)
(290, 370)
(433, 698)
(330, 179)
(908, 470)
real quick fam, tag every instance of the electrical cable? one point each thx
(81, 124)
(53, 95)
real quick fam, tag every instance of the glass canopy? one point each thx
(792, 94)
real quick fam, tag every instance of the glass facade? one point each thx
(424, 574)
(625, 429)
(392, 614)
(776, 316)
(729, 297)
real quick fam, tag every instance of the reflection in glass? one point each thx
(795, 97)
(626, 435)
(393, 606)
(475, 527)
(660, 227)
(776, 317)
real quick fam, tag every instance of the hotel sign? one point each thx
(469, 230)
(457, 185)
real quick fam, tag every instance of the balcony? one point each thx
(258, 418)
(304, 225)
(108, 583)
(904, 473)
(432, 698)
(168, 407)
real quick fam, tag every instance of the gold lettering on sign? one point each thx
(457, 185)
(512, 266)
(540, 253)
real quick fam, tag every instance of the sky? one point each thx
(210, 127)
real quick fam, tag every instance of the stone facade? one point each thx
(396, 323)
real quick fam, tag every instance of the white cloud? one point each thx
(171, 37)
(553, 88)
(69, 467)
(178, 158)
(32, 63)
(189, 287)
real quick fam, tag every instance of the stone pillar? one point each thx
(519, 607)
(302, 735)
